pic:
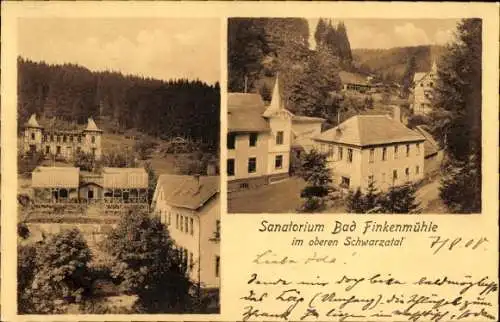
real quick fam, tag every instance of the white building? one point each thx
(259, 140)
(423, 88)
(374, 148)
(190, 208)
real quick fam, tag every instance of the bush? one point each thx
(86, 162)
(61, 275)
(26, 163)
(145, 146)
(147, 264)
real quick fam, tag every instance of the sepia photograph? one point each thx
(118, 165)
(332, 115)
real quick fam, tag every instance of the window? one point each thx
(394, 175)
(93, 139)
(79, 139)
(52, 138)
(230, 167)
(431, 84)
(217, 228)
(384, 154)
(421, 84)
(407, 150)
(94, 151)
(217, 266)
(370, 179)
(345, 182)
(191, 261)
(407, 173)
(278, 162)
(244, 185)
(418, 148)
(349, 155)
(372, 155)
(47, 149)
(417, 169)
(331, 151)
(65, 138)
(341, 153)
(58, 138)
(78, 150)
(191, 223)
(58, 150)
(45, 137)
(396, 151)
(252, 139)
(32, 136)
(252, 165)
(231, 141)
(186, 225)
(181, 223)
(279, 138)
(185, 257)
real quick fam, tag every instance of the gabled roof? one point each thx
(245, 113)
(367, 130)
(55, 177)
(125, 178)
(431, 147)
(187, 191)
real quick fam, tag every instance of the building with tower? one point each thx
(62, 144)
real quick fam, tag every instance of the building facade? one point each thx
(374, 148)
(190, 208)
(423, 88)
(62, 144)
(115, 188)
(259, 140)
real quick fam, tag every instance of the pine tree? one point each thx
(400, 200)
(457, 117)
(354, 202)
(407, 80)
(317, 175)
(320, 33)
(344, 45)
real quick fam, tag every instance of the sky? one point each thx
(157, 48)
(388, 33)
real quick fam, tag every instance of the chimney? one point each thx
(396, 113)
(211, 171)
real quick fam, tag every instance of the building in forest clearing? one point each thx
(374, 148)
(423, 89)
(189, 206)
(118, 186)
(59, 143)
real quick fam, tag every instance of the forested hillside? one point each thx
(69, 92)
(259, 49)
(390, 64)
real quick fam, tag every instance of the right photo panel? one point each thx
(330, 115)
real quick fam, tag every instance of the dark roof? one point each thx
(245, 113)
(352, 78)
(431, 147)
(188, 191)
(366, 130)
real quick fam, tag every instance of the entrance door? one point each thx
(90, 194)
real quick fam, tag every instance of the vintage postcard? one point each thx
(249, 161)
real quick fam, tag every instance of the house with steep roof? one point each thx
(189, 206)
(374, 148)
(423, 88)
(64, 144)
(258, 141)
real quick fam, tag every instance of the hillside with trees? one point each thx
(260, 49)
(391, 64)
(163, 109)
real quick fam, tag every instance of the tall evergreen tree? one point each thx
(457, 116)
(320, 33)
(407, 79)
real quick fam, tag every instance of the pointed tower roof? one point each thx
(32, 122)
(91, 126)
(276, 103)
(434, 66)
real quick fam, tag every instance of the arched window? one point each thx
(63, 193)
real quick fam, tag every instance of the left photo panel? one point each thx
(118, 165)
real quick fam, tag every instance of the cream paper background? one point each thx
(240, 238)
